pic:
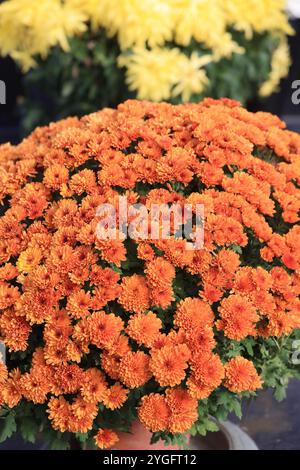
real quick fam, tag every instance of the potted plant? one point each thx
(110, 326)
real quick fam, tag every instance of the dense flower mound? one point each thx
(100, 332)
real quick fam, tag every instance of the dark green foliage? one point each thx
(73, 83)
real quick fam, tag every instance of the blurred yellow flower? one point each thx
(279, 68)
(257, 15)
(152, 73)
(31, 27)
(137, 22)
(90, 8)
(192, 77)
(159, 73)
(202, 20)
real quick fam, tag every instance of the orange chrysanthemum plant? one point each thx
(102, 332)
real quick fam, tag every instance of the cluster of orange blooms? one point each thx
(107, 329)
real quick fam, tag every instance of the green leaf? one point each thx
(212, 426)
(82, 437)
(155, 437)
(90, 444)
(58, 444)
(4, 412)
(201, 429)
(248, 347)
(115, 268)
(221, 414)
(28, 429)
(223, 398)
(203, 426)
(237, 408)
(237, 249)
(7, 426)
(280, 393)
(67, 89)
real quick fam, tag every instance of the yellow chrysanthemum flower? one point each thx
(204, 21)
(193, 78)
(152, 73)
(260, 16)
(158, 74)
(28, 28)
(90, 8)
(279, 68)
(137, 22)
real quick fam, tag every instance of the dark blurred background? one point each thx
(9, 119)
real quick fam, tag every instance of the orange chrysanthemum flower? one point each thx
(15, 330)
(145, 252)
(134, 369)
(12, 391)
(211, 293)
(154, 412)
(279, 323)
(103, 328)
(134, 296)
(59, 411)
(192, 313)
(116, 397)
(55, 176)
(36, 305)
(8, 295)
(79, 425)
(94, 387)
(169, 363)
(83, 409)
(238, 317)
(120, 346)
(106, 438)
(34, 387)
(207, 374)
(29, 259)
(162, 297)
(183, 410)
(144, 328)
(8, 272)
(110, 364)
(160, 273)
(3, 373)
(241, 375)
(79, 304)
(201, 339)
(112, 251)
(69, 378)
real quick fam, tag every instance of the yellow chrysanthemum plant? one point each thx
(91, 53)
